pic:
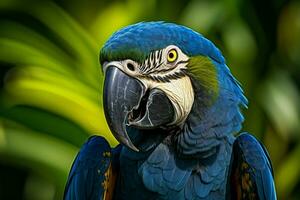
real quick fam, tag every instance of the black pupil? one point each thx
(130, 67)
(171, 55)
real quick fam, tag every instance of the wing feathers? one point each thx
(88, 175)
(252, 174)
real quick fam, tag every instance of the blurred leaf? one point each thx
(19, 53)
(42, 121)
(65, 81)
(241, 51)
(289, 31)
(239, 42)
(280, 99)
(272, 141)
(288, 174)
(38, 189)
(8, 3)
(117, 15)
(42, 153)
(27, 37)
(73, 37)
(202, 15)
(60, 101)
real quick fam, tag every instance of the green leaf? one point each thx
(288, 174)
(24, 35)
(72, 35)
(67, 103)
(46, 122)
(48, 156)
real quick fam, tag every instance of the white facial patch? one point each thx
(158, 72)
(180, 93)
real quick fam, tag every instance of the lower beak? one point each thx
(127, 102)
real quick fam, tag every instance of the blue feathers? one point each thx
(206, 126)
(161, 174)
(88, 170)
(137, 41)
(252, 167)
(165, 173)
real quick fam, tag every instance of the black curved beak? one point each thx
(128, 103)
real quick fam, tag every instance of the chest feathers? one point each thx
(177, 178)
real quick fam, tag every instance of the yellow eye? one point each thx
(172, 55)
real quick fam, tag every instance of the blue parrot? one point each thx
(174, 106)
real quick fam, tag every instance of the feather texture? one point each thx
(252, 174)
(137, 41)
(88, 175)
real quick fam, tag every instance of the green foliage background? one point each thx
(51, 83)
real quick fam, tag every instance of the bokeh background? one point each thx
(50, 80)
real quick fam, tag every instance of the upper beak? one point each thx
(127, 102)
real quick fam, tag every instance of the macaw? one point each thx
(172, 103)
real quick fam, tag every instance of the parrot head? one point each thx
(161, 77)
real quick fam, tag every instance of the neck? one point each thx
(209, 126)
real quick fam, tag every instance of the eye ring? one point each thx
(130, 66)
(172, 56)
